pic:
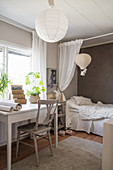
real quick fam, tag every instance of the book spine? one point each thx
(21, 101)
(19, 96)
(17, 91)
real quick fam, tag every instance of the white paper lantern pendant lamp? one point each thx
(83, 60)
(51, 25)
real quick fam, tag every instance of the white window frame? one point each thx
(19, 49)
(16, 49)
(3, 49)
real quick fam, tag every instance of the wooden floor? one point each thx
(25, 151)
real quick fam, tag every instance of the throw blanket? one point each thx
(6, 108)
(95, 112)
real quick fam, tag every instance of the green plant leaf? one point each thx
(4, 82)
(30, 73)
(41, 83)
(37, 75)
(32, 93)
(34, 87)
(27, 80)
(28, 93)
(33, 84)
(37, 90)
(43, 89)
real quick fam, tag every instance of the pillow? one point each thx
(80, 100)
(100, 103)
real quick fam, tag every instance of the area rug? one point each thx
(72, 154)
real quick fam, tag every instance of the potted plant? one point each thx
(35, 85)
(4, 82)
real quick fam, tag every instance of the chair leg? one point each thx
(36, 149)
(17, 145)
(50, 143)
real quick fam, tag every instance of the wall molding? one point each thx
(97, 44)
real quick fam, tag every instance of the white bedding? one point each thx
(89, 118)
(95, 112)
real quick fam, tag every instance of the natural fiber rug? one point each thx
(72, 154)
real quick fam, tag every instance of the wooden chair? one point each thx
(35, 129)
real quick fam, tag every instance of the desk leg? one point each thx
(9, 137)
(56, 129)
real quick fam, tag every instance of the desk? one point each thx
(29, 111)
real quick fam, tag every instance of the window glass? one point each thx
(18, 66)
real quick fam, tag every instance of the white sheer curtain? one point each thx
(67, 53)
(39, 52)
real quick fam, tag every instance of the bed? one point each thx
(84, 115)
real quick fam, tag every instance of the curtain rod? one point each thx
(99, 36)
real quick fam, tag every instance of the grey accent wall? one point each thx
(98, 81)
(15, 35)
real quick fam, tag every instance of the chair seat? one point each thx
(30, 128)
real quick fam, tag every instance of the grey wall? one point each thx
(52, 55)
(15, 35)
(52, 62)
(98, 81)
(18, 36)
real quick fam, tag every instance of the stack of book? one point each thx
(18, 94)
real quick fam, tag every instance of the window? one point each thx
(18, 66)
(16, 63)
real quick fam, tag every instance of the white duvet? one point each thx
(88, 118)
(95, 112)
(88, 112)
(71, 108)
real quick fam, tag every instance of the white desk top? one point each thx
(25, 107)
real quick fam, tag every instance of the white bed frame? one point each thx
(73, 120)
(94, 126)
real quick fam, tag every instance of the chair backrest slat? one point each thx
(51, 106)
